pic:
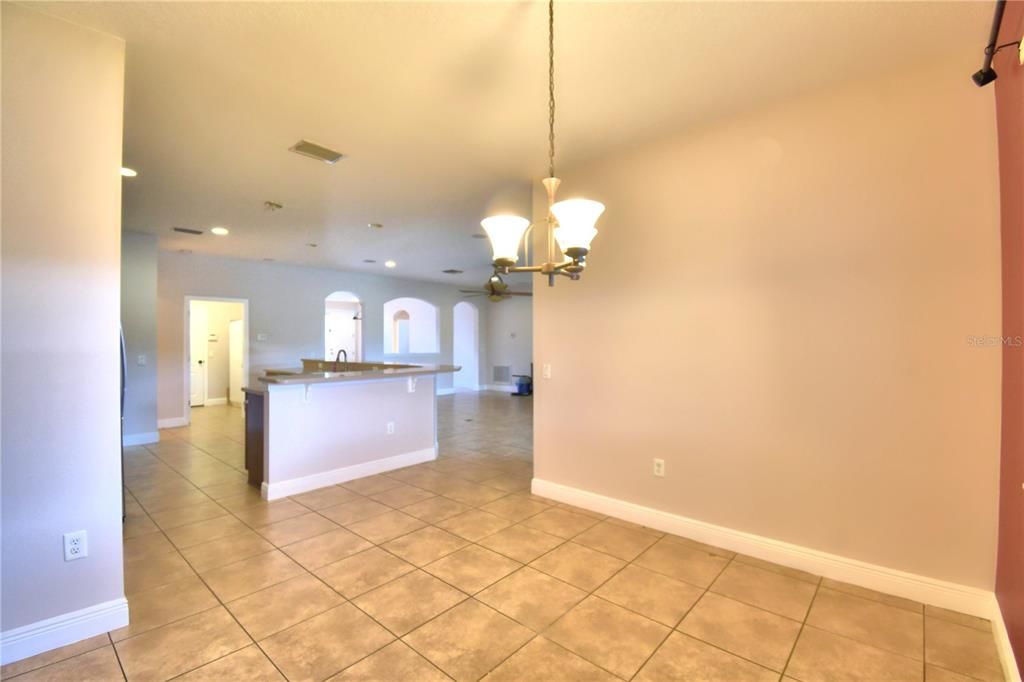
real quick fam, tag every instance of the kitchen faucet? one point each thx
(337, 357)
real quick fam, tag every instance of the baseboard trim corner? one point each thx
(295, 486)
(962, 598)
(1003, 644)
(131, 439)
(67, 628)
(214, 402)
(171, 422)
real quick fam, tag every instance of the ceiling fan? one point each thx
(495, 289)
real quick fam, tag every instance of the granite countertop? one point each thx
(276, 377)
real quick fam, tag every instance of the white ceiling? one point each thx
(439, 106)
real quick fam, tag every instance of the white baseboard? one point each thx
(67, 628)
(213, 402)
(171, 422)
(500, 387)
(962, 598)
(446, 391)
(295, 486)
(130, 439)
(1002, 635)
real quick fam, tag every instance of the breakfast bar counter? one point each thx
(310, 429)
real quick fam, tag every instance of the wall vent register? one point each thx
(316, 151)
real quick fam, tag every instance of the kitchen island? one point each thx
(309, 429)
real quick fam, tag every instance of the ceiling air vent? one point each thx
(186, 230)
(315, 151)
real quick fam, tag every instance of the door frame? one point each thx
(187, 354)
(231, 358)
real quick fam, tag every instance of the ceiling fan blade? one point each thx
(517, 293)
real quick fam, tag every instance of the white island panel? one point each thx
(320, 434)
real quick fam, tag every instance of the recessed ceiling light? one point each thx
(128, 172)
(369, 260)
(219, 231)
(375, 226)
(390, 264)
(316, 151)
(452, 271)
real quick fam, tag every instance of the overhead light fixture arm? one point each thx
(570, 224)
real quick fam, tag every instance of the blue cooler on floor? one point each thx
(524, 385)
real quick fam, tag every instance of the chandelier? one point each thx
(570, 223)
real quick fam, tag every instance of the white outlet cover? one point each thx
(547, 371)
(141, 361)
(261, 337)
(76, 545)
(391, 428)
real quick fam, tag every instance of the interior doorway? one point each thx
(343, 326)
(466, 345)
(218, 351)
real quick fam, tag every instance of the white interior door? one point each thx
(198, 336)
(236, 361)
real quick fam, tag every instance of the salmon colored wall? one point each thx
(1010, 118)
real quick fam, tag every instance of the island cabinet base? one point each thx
(254, 433)
(322, 434)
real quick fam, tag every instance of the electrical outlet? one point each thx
(76, 545)
(546, 370)
(391, 428)
(261, 337)
(659, 468)
(141, 361)
(412, 384)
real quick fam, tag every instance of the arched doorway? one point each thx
(466, 345)
(411, 327)
(343, 326)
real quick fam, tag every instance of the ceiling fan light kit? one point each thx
(570, 223)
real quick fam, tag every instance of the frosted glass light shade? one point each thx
(505, 232)
(576, 218)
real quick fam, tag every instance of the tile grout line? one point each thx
(675, 628)
(800, 632)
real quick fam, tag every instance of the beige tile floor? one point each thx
(451, 569)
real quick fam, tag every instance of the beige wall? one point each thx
(63, 92)
(510, 333)
(138, 322)
(286, 303)
(779, 306)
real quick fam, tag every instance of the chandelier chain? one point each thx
(551, 88)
